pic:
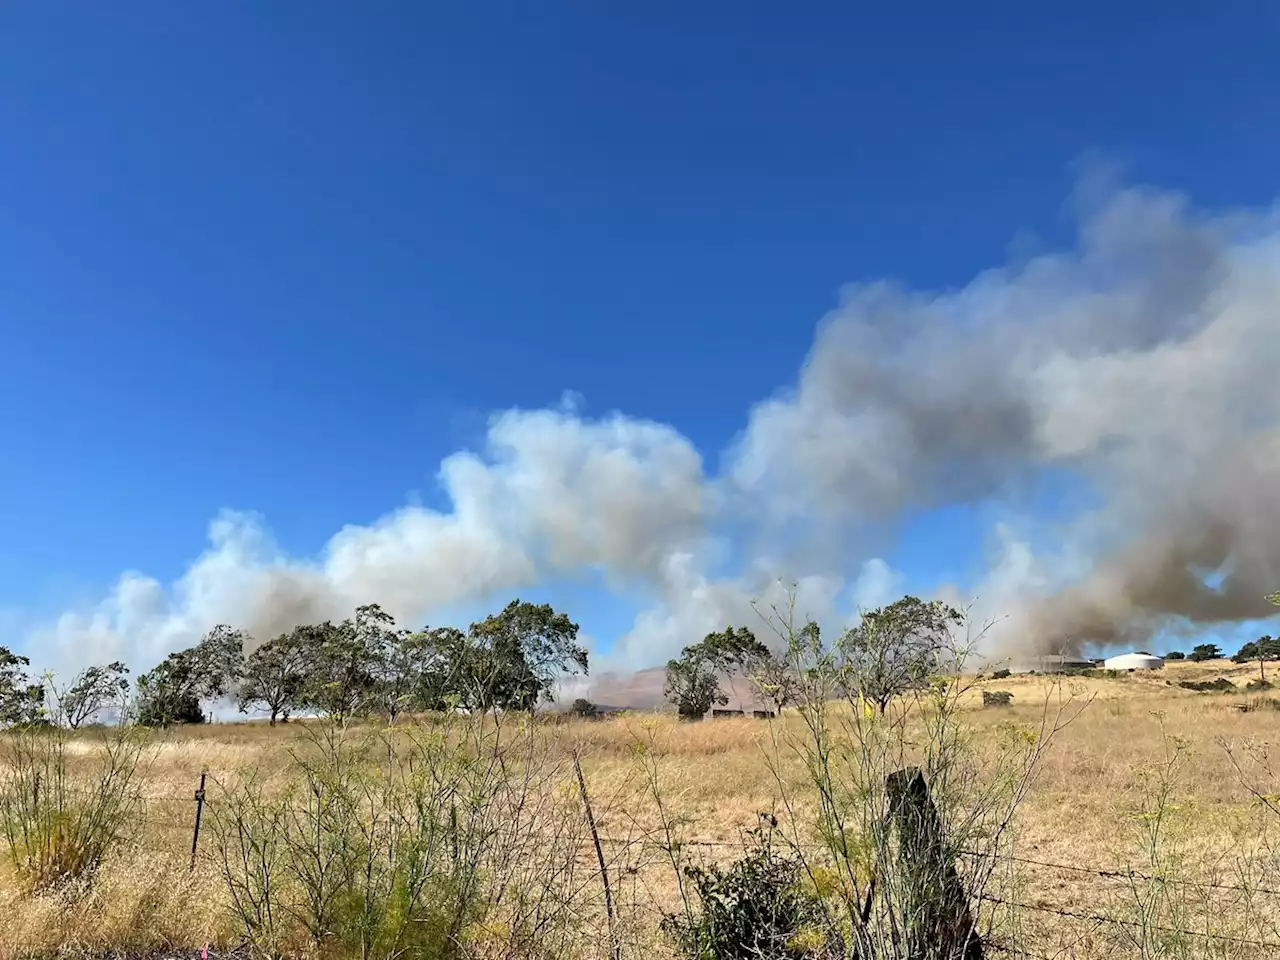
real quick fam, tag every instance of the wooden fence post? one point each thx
(935, 904)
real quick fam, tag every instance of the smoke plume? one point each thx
(1141, 367)
(1144, 364)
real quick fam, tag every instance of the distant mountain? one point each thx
(642, 690)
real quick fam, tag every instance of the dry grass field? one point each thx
(1139, 786)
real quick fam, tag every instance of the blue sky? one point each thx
(286, 258)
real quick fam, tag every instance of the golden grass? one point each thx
(719, 775)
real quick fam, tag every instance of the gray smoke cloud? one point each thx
(1143, 363)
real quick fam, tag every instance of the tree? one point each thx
(438, 668)
(339, 679)
(693, 684)
(1263, 649)
(734, 647)
(517, 656)
(772, 674)
(402, 661)
(21, 701)
(775, 681)
(349, 663)
(1204, 651)
(173, 691)
(445, 670)
(164, 696)
(92, 691)
(275, 675)
(1175, 655)
(896, 648)
(693, 679)
(584, 708)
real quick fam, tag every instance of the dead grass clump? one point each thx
(139, 901)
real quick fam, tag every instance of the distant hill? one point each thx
(642, 690)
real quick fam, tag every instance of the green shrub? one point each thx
(60, 825)
(426, 842)
(352, 858)
(1221, 685)
(757, 908)
(1258, 685)
(1000, 675)
(158, 712)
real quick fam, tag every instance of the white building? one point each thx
(1134, 661)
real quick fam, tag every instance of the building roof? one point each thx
(1124, 661)
(1050, 662)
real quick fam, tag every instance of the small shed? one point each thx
(1134, 661)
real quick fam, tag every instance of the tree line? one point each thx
(890, 650)
(366, 666)
(363, 666)
(1260, 651)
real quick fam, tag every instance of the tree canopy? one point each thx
(363, 666)
(1263, 649)
(21, 700)
(173, 691)
(1205, 651)
(896, 648)
(275, 676)
(693, 678)
(517, 656)
(93, 690)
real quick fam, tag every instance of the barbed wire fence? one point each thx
(595, 840)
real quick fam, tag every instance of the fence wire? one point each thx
(1098, 919)
(1127, 874)
(1118, 921)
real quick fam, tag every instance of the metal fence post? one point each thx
(195, 834)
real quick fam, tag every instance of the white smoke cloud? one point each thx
(1144, 362)
(553, 494)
